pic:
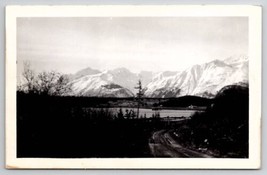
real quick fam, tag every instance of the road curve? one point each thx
(163, 145)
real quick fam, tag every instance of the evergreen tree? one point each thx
(139, 95)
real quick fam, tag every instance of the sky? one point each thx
(68, 45)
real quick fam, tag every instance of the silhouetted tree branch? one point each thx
(45, 83)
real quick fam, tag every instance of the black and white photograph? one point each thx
(146, 87)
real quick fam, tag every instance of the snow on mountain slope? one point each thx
(145, 77)
(236, 60)
(202, 80)
(96, 85)
(122, 77)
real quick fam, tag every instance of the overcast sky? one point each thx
(137, 43)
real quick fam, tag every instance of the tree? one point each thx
(52, 83)
(29, 78)
(45, 83)
(120, 114)
(139, 95)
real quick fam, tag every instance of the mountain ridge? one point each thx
(201, 79)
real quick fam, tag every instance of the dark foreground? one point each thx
(58, 127)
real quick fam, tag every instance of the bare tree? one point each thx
(52, 83)
(29, 78)
(46, 83)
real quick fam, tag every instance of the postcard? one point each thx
(133, 87)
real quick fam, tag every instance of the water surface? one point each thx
(163, 113)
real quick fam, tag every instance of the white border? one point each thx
(254, 13)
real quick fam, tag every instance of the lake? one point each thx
(163, 113)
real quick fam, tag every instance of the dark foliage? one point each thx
(76, 127)
(223, 128)
(54, 126)
(186, 101)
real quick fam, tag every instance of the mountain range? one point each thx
(201, 80)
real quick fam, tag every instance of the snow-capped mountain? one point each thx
(98, 85)
(122, 77)
(202, 80)
(118, 82)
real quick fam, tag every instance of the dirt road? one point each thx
(163, 145)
